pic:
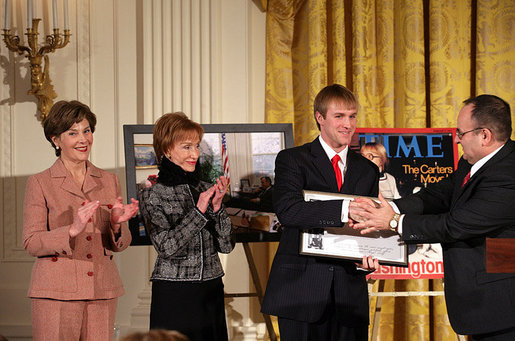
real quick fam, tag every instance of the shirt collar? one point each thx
(476, 166)
(331, 153)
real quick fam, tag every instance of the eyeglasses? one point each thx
(460, 134)
(371, 156)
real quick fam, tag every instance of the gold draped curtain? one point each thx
(410, 63)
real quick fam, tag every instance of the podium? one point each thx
(500, 255)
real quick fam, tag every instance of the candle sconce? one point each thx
(41, 84)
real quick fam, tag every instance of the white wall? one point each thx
(131, 61)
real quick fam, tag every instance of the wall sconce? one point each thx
(41, 84)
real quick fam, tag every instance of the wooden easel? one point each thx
(254, 237)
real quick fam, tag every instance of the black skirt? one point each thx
(195, 309)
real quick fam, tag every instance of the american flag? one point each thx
(225, 159)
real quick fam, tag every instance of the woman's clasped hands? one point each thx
(214, 194)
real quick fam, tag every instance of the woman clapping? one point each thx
(188, 226)
(74, 219)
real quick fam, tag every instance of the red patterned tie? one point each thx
(465, 179)
(337, 170)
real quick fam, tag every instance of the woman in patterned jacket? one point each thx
(188, 226)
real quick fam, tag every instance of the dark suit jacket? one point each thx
(461, 219)
(266, 200)
(299, 286)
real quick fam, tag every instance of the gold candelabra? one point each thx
(41, 84)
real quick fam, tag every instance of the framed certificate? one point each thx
(347, 243)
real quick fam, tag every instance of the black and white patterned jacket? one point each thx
(187, 241)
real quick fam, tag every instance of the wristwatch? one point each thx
(394, 223)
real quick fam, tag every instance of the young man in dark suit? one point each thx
(460, 212)
(317, 298)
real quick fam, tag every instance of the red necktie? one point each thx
(465, 179)
(337, 170)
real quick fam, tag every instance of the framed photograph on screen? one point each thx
(144, 156)
(244, 184)
(249, 155)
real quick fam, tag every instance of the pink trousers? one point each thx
(54, 320)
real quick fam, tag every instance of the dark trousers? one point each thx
(328, 328)
(195, 309)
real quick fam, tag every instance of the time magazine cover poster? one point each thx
(409, 160)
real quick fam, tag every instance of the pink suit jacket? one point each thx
(80, 268)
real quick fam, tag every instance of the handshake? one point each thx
(369, 214)
(357, 208)
(366, 214)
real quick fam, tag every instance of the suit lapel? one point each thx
(352, 174)
(91, 180)
(323, 165)
(508, 148)
(462, 171)
(59, 171)
(459, 176)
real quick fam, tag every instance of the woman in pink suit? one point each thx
(74, 219)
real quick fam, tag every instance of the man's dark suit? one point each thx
(299, 287)
(461, 218)
(265, 203)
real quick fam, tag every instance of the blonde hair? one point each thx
(172, 128)
(333, 93)
(378, 148)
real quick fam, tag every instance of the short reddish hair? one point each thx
(172, 128)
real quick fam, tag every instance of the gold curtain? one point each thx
(410, 64)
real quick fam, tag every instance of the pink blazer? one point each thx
(80, 268)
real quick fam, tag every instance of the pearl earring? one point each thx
(57, 147)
